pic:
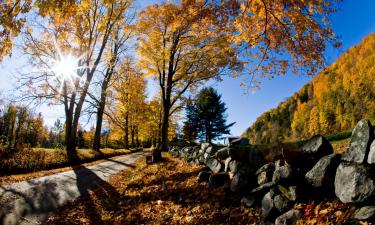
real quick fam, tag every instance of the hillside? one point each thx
(334, 101)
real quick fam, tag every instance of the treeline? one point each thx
(333, 102)
(19, 125)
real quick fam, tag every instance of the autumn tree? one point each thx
(75, 39)
(178, 49)
(277, 36)
(128, 105)
(117, 50)
(12, 20)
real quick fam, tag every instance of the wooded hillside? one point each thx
(333, 102)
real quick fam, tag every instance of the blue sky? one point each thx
(354, 21)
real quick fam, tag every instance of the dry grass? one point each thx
(340, 146)
(31, 160)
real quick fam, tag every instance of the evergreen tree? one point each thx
(190, 128)
(210, 115)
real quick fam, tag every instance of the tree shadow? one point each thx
(35, 200)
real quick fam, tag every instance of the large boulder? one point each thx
(364, 213)
(205, 146)
(268, 205)
(231, 165)
(353, 183)
(239, 153)
(289, 217)
(239, 182)
(242, 179)
(264, 174)
(281, 203)
(204, 176)
(360, 141)
(310, 153)
(317, 146)
(371, 154)
(283, 171)
(290, 193)
(214, 165)
(255, 159)
(322, 174)
(263, 188)
(222, 154)
(248, 201)
(218, 179)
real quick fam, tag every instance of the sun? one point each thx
(65, 67)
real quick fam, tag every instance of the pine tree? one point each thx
(190, 128)
(210, 114)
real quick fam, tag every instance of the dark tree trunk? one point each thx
(98, 129)
(132, 135)
(126, 137)
(136, 136)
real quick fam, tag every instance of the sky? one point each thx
(354, 21)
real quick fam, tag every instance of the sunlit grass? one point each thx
(30, 160)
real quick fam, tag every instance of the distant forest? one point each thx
(333, 102)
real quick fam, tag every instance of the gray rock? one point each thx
(226, 164)
(248, 201)
(255, 159)
(371, 154)
(264, 177)
(204, 146)
(264, 173)
(222, 153)
(317, 146)
(239, 182)
(293, 193)
(289, 217)
(243, 178)
(283, 171)
(218, 179)
(360, 141)
(364, 213)
(322, 174)
(204, 176)
(263, 188)
(238, 153)
(214, 165)
(234, 166)
(290, 193)
(281, 203)
(268, 206)
(353, 183)
(266, 167)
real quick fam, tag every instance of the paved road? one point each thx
(32, 201)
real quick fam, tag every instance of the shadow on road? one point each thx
(35, 200)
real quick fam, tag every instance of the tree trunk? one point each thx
(132, 135)
(126, 137)
(136, 136)
(165, 125)
(98, 128)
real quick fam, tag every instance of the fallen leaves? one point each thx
(168, 193)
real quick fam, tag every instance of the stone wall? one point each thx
(316, 171)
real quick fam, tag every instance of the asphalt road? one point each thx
(32, 201)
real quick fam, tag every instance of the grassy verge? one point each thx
(31, 160)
